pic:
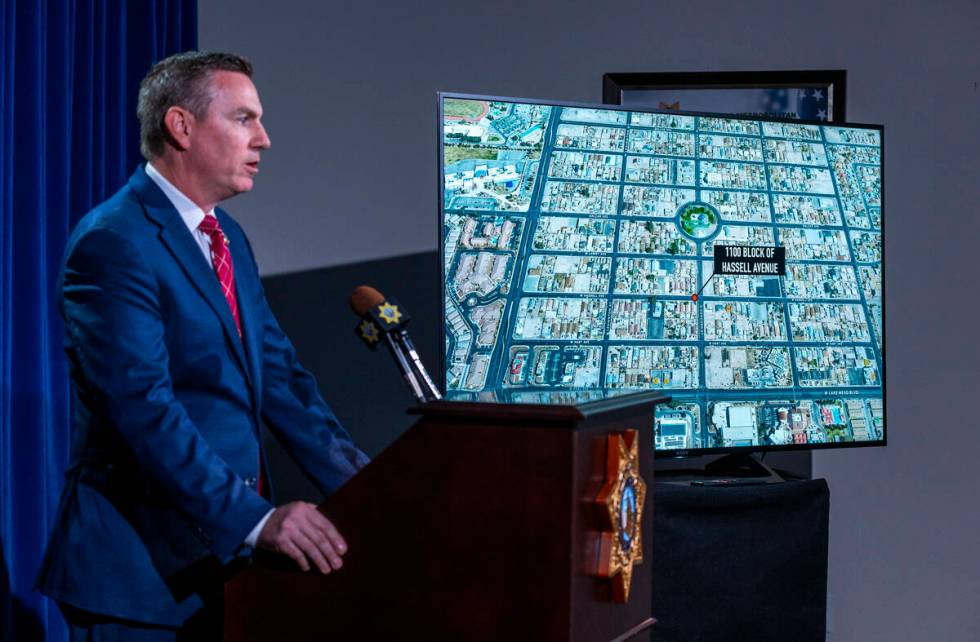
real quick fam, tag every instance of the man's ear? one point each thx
(178, 122)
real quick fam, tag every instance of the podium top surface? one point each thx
(551, 405)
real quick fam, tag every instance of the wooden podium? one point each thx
(479, 523)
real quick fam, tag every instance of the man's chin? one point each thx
(241, 186)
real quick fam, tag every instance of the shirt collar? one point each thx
(188, 209)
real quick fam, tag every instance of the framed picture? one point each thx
(806, 95)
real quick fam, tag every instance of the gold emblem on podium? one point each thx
(621, 504)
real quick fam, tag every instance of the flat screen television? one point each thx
(734, 263)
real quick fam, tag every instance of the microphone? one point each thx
(384, 319)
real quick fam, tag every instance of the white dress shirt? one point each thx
(193, 215)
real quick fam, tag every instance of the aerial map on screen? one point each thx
(580, 247)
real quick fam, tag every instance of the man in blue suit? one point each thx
(176, 359)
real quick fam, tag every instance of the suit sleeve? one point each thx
(112, 312)
(296, 413)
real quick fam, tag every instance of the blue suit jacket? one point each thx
(167, 403)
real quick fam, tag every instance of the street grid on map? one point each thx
(574, 239)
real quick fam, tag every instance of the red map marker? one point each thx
(694, 297)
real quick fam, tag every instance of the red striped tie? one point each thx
(225, 270)
(223, 267)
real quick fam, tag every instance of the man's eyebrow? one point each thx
(245, 111)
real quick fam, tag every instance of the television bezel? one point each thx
(441, 96)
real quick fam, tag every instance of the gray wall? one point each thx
(349, 94)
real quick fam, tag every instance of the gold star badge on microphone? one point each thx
(389, 313)
(369, 331)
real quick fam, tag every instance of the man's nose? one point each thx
(262, 140)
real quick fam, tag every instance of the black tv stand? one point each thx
(706, 551)
(742, 466)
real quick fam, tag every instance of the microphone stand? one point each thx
(405, 368)
(414, 360)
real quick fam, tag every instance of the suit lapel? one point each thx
(185, 250)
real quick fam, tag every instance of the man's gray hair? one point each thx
(180, 80)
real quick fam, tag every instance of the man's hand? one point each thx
(300, 531)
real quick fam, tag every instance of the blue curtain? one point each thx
(68, 139)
